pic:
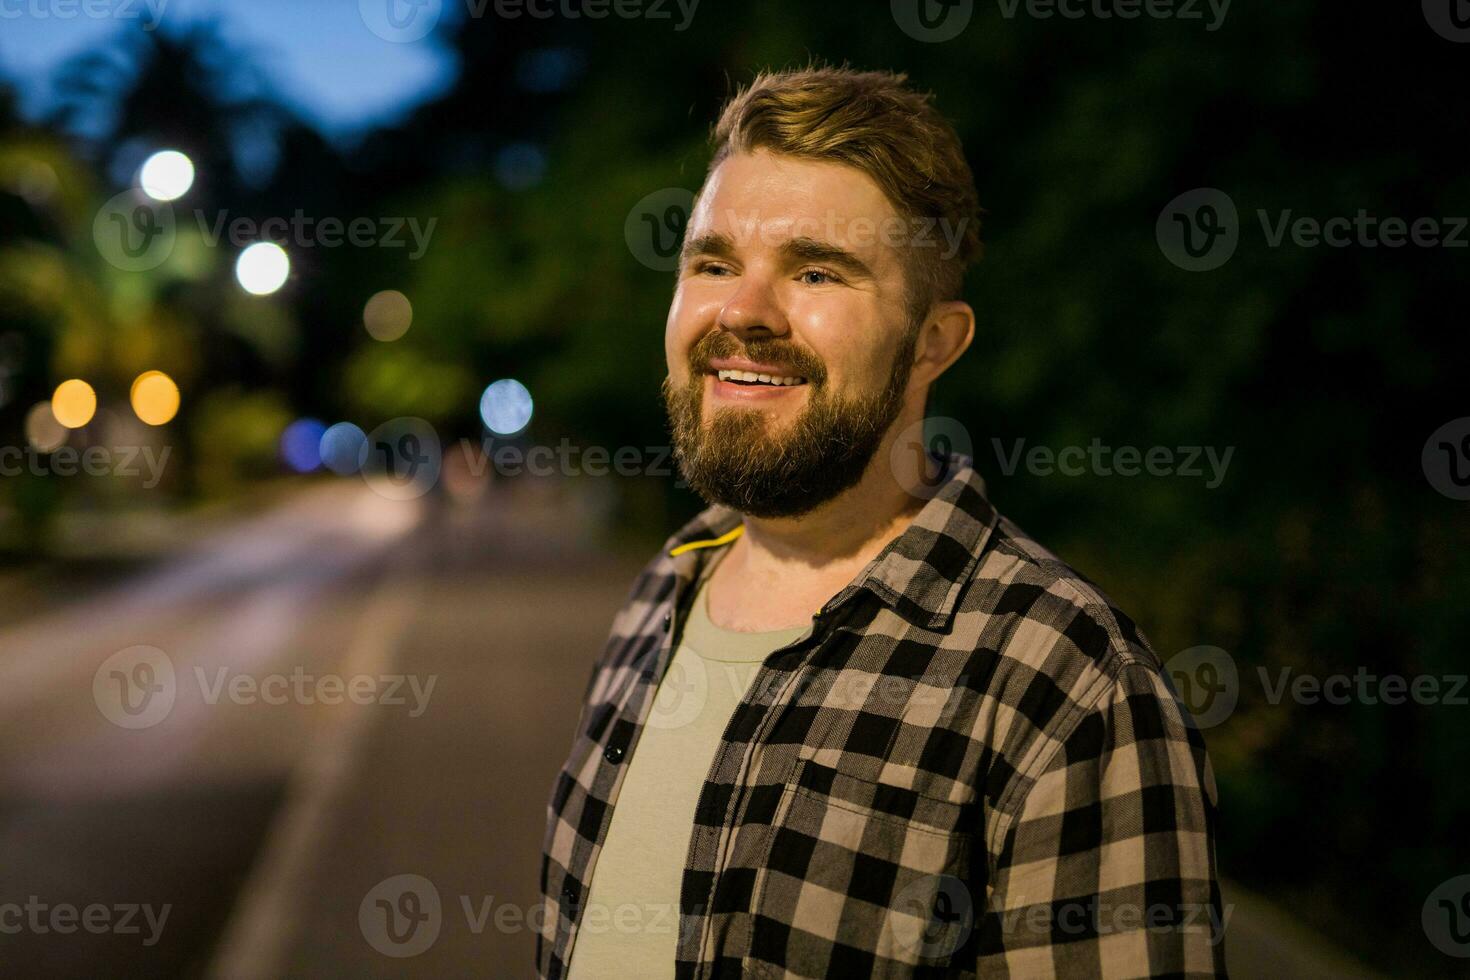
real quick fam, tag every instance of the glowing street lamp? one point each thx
(262, 268)
(74, 403)
(155, 397)
(505, 407)
(167, 175)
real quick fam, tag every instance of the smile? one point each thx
(755, 378)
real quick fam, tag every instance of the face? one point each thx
(789, 344)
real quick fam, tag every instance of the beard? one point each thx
(736, 461)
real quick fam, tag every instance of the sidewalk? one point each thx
(507, 613)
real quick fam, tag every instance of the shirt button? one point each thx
(668, 621)
(613, 754)
(568, 895)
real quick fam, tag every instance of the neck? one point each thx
(850, 529)
(781, 570)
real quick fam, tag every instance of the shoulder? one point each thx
(1055, 618)
(1058, 653)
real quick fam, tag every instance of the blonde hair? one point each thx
(873, 121)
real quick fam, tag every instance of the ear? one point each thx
(944, 336)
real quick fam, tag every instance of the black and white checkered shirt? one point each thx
(972, 764)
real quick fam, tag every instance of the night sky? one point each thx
(315, 53)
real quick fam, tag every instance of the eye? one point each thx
(823, 276)
(711, 269)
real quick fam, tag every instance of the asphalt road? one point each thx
(222, 765)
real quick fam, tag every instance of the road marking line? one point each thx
(267, 914)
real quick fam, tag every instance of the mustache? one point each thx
(790, 358)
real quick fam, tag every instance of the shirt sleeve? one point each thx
(1107, 868)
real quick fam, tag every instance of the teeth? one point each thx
(729, 375)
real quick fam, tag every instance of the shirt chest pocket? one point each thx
(863, 879)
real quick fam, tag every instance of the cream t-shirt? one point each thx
(630, 927)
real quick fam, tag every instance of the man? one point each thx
(851, 721)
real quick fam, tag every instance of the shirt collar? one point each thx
(919, 574)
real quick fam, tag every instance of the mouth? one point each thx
(738, 380)
(757, 378)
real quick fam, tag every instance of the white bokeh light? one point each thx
(505, 407)
(263, 268)
(167, 175)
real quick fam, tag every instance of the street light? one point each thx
(167, 175)
(262, 268)
(505, 407)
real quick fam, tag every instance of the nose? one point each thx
(754, 311)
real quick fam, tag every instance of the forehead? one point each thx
(763, 198)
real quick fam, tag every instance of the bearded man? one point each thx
(851, 721)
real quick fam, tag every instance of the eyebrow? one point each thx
(805, 249)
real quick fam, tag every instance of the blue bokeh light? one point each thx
(301, 444)
(506, 407)
(340, 448)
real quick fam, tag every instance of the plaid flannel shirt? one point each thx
(973, 763)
